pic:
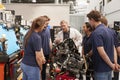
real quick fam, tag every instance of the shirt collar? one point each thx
(100, 25)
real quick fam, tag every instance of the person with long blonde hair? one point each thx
(33, 54)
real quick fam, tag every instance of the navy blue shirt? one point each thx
(87, 44)
(34, 44)
(116, 41)
(45, 35)
(102, 37)
(66, 35)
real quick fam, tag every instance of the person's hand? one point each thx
(57, 41)
(87, 56)
(74, 38)
(113, 66)
(40, 67)
(117, 67)
(43, 61)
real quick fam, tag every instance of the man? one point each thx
(68, 32)
(117, 46)
(46, 45)
(103, 48)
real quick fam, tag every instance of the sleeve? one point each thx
(78, 38)
(59, 36)
(37, 43)
(83, 41)
(98, 40)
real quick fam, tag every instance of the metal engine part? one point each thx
(67, 57)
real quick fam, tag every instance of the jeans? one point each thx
(30, 72)
(103, 75)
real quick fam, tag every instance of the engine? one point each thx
(67, 58)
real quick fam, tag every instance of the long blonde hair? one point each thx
(38, 23)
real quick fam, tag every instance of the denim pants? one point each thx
(103, 75)
(30, 72)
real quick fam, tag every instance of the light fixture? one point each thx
(2, 7)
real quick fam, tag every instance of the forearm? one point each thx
(82, 51)
(78, 40)
(90, 53)
(40, 58)
(50, 43)
(105, 57)
(39, 62)
(115, 56)
(118, 50)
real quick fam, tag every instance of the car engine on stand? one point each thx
(65, 61)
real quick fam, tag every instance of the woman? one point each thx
(33, 54)
(87, 47)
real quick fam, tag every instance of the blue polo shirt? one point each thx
(87, 44)
(34, 44)
(102, 37)
(116, 41)
(45, 35)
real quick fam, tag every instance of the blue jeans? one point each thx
(103, 75)
(30, 72)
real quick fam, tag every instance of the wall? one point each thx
(112, 11)
(92, 5)
(77, 21)
(30, 11)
